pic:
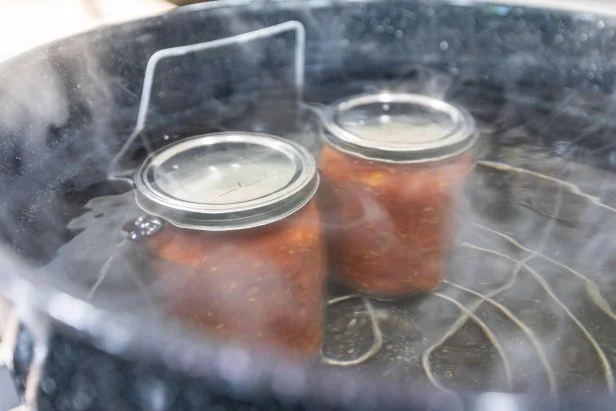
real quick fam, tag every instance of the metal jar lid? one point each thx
(226, 181)
(399, 127)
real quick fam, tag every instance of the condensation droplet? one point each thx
(559, 39)
(398, 34)
(444, 45)
(142, 227)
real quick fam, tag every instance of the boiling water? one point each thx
(528, 305)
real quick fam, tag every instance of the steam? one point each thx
(531, 244)
(510, 218)
(431, 83)
(45, 103)
(527, 304)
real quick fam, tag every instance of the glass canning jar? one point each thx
(391, 165)
(235, 237)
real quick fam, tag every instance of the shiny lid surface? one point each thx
(399, 127)
(226, 181)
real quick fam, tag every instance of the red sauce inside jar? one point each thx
(243, 253)
(260, 285)
(389, 226)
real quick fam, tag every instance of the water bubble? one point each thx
(235, 365)
(584, 37)
(289, 380)
(496, 401)
(142, 227)
(398, 33)
(559, 39)
(82, 400)
(444, 45)
(500, 10)
(48, 385)
(153, 393)
(560, 147)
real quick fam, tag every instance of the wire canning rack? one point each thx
(527, 301)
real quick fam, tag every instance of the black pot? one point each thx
(530, 76)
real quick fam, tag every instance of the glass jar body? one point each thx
(261, 285)
(389, 225)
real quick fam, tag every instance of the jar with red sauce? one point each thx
(392, 166)
(235, 237)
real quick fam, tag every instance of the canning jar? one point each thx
(391, 165)
(235, 237)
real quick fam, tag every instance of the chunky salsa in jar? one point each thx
(391, 167)
(238, 246)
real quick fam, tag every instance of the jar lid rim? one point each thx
(258, 205)
(460, 135)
